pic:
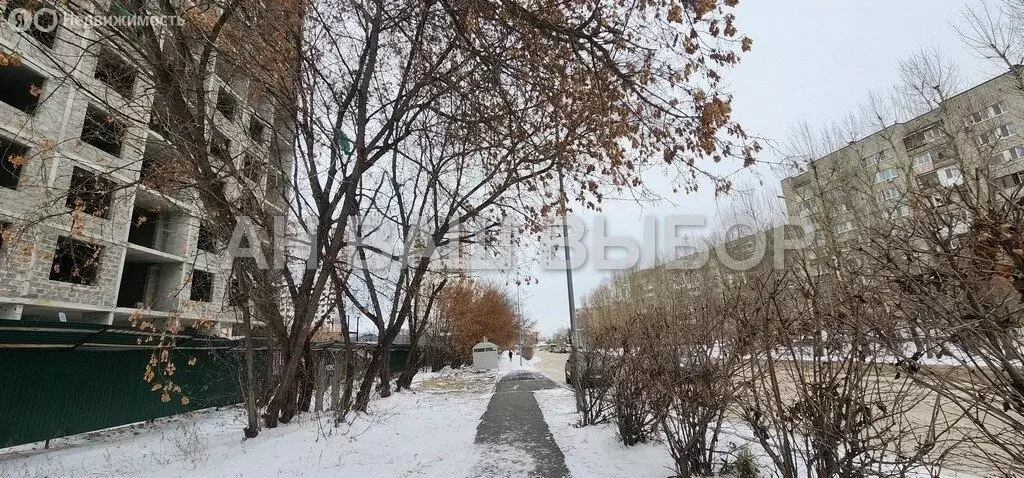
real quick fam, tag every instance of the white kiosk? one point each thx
(485, 356)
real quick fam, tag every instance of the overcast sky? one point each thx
(813, 61)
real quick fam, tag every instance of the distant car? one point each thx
(593, 370)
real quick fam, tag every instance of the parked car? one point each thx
(592, 366)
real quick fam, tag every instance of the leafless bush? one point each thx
(699, 385)
(595, 384)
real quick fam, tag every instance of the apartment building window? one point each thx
(902, 211)
(102, 131)
(889, 194)
(42, 27)
(1010, 180)
(922, 137)
(227, 104)
(1009, 155)
(937, 200)
(925, 161)
(886, 175)
(220, 146)
(844, 227)
(12, 157)
(950, 176)
(881, 156)
(256, 130)
(997, 134)
(75, 261)
(90, 193)
(986, 114)
(21, 87)
(207, 240)
(202, 286)
(115, 72)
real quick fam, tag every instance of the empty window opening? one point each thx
(134, 281)
(160, 169)
(220, 146)
(90, 193)
(227, 104)
(21, 87)
(12, 157)
(75, 261)
(251, 168)
(207, 240)
(256, 130)
(237, 295)
(202, 286)
(273, 185)
(153, 160)
(42, 27)
(142, 231)
(102, 131)
(115, 72)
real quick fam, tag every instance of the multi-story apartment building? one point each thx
(91, 232)
(971, 144)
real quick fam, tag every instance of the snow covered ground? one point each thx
(429, 431)
(426, 432)
(596, 451)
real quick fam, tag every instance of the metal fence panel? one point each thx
(52, 393)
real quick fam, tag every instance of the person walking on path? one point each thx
(509, 355)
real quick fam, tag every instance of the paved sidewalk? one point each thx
(514, 420)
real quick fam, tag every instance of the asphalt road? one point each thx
(552, 366)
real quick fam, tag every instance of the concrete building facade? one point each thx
(90, 232)
(972, 143)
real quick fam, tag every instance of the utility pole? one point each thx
(519, 324)
(573, 331)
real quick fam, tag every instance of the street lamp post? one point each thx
(519, 324)
(573, 331)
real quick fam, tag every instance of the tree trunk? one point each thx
(282, 405)
(385, 377)
(366, 387)
(252, 413)
(350, 379)
(385, 369)
(412, 365)
(307, 374)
